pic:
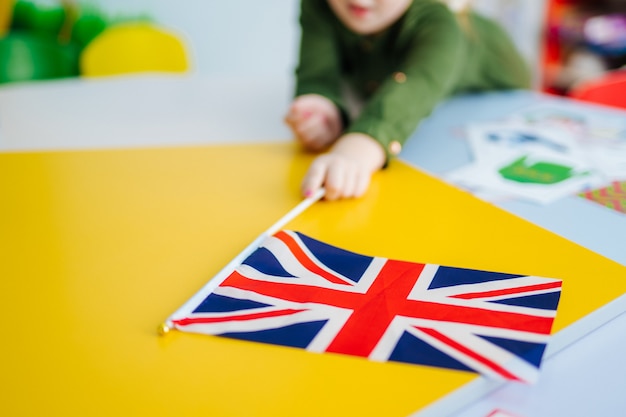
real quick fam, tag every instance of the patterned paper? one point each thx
(612, 196)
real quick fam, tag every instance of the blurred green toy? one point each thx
(25, 56)
(45, 41)
(36, 19)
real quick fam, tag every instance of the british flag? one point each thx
(297, 291)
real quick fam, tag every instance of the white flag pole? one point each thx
(186, 308)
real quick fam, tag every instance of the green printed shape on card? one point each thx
(538, 172)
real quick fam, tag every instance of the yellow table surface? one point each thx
(98, 247)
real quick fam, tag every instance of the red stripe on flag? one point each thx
(388, 293)
(208, 320)
(476, 316)
(304, 259)
(294, 291)
(459, 347)
(508, 291)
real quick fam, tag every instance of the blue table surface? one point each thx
(437, 146)
(586, 376)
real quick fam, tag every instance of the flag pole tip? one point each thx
(163, 329)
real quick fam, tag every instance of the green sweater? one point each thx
(404, 72)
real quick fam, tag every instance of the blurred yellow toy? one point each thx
(131, 48)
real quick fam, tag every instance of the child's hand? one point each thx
(315, 121)
(346, 170)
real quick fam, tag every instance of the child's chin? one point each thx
(363, 28)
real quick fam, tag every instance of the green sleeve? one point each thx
(430, 68)
(319, 67)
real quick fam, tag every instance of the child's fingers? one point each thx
(297, 113)
(315, 176)
(336, 180)
(340, 177)
(292, 119)
(311, 133)
(308, 136)
(309, 127)
(349, 186)
(350, 181)
(362, 183)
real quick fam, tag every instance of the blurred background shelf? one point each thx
(584, 48)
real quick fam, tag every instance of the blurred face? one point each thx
(368, 17)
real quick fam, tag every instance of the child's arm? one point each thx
(427, 73)
(319, 67)
(441, 54)
(433, 59)
(317, 115)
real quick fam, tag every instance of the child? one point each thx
(400, 58)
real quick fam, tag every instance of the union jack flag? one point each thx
(297, 291)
